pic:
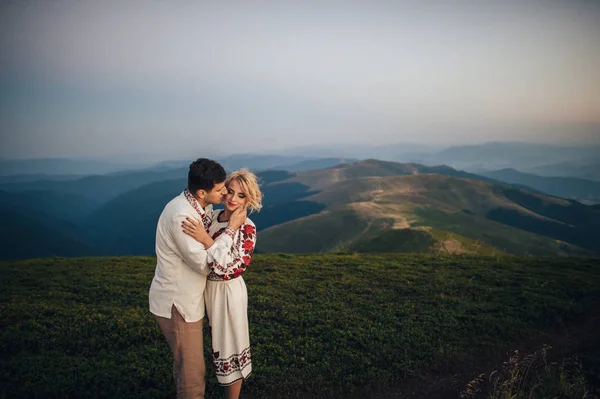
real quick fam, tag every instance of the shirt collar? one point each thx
(196, 205)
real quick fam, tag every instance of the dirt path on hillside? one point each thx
(581, 339)
(371, 210)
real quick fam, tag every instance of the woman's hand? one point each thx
(237, 218)
(195, 229)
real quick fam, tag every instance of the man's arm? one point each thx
(193, 253)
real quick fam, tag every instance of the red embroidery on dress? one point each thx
(236, 362)
(241, 251)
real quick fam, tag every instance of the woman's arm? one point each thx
(230, 258)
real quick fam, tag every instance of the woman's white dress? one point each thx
(227, 299)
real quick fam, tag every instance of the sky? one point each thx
(180, 78)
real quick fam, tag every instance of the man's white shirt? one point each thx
(181, 269)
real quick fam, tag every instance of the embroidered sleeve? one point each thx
(230, 258)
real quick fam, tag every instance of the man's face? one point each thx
(216, 195)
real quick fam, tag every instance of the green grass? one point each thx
(402, 240)
(336, 325)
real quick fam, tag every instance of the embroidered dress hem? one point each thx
(234, 381)
(227, 304)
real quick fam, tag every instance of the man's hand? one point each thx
(195, 229)
(237, 218)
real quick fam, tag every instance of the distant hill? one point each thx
(517, 155)
(126, 225)
(29, 232)
(582, 190)
(100, 188)
(259, 161)
(388, 152)
(72, 208)
(36, 177)
(589, 169)
(61, 166)
(311, 164)
(439, 212)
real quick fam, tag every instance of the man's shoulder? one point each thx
(177, 201)
(177, 205)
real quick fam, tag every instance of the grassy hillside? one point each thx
(329, 326)
(323, 232)
(476, 216)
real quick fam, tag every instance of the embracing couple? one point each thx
(201, 254)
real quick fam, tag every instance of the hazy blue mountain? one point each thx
(583, 190)
(27, 232)
(61, 166)
(173, 164)
(500, 155)
(585, 169)
(35, 178)
(99, 188)
(126, 225)
(72, 208)
(258, 161)
(23, 237)
(388, 152)
(310, 164)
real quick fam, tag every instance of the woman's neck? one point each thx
(226, 215)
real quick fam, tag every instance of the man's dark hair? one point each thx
(204, 174)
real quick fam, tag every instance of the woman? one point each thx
(225, 295)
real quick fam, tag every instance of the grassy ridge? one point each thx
(321, 326)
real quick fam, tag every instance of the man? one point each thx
(176, 295)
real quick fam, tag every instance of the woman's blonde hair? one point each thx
(249, 184)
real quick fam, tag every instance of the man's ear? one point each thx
(201, 193)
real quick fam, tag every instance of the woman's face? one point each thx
(235, 197)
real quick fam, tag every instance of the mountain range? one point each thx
(362, 206)
(542, 159)
(583, 190)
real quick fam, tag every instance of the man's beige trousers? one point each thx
(186, 343)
